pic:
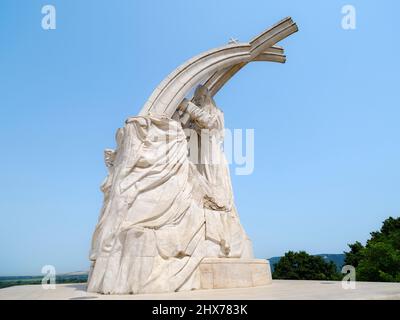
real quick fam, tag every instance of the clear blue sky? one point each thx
(326, 123)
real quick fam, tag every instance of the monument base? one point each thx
(223, 273)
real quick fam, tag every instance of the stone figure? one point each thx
(221, 219)
(168, 221)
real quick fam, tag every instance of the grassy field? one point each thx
(25, 280)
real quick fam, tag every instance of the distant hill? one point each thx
(337, 259)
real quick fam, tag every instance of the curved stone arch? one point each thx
(221, 77)
(222, 62)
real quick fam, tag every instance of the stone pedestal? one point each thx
(222, 273)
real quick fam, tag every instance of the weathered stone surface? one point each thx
(222, 273)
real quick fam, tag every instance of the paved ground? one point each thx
(279, 289)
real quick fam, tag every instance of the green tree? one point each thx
(302, 266)
(379, 260)
(354, 256)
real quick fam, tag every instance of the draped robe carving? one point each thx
(163, 214)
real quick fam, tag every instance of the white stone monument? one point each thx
(169, 221)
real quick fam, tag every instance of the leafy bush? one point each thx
(302, 266)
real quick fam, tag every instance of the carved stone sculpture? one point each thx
(168, 221)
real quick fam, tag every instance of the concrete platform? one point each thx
(278, 290)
